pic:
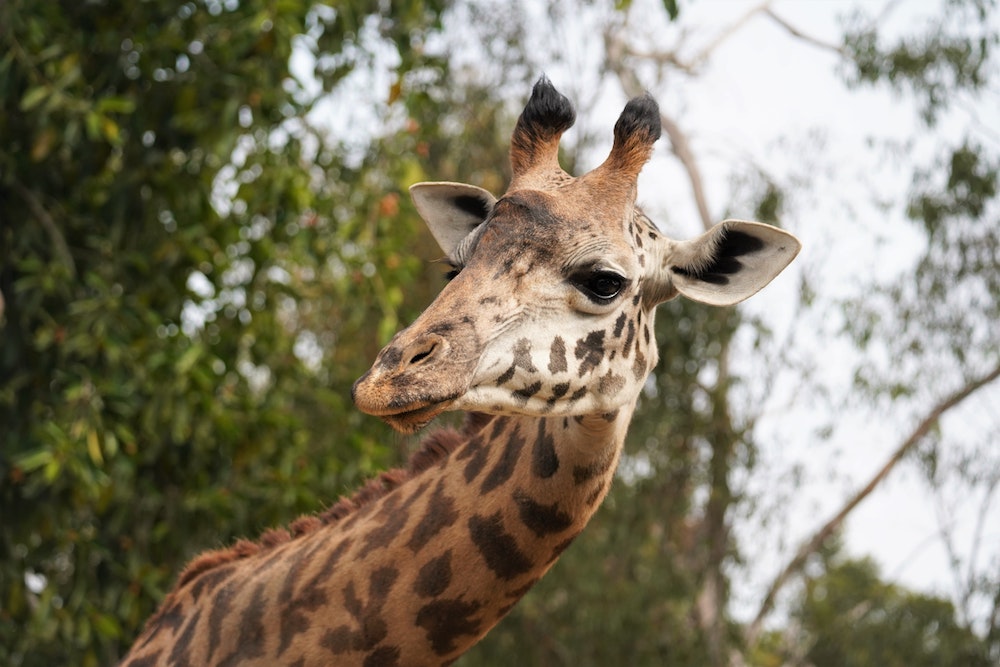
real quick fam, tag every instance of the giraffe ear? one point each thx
(451, 210)
(728, 263)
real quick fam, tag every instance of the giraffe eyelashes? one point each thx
(600, 286)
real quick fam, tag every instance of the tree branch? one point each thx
(682, 150)
(660, 58)
(821, 535)
(727, 33)
(795, 32)
(762, 8)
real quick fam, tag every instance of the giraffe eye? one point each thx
(600, 286)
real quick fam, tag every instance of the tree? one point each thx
(849, 617)
(182, 259)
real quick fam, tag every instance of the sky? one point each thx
(781, 102)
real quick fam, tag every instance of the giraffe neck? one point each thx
(415, 577)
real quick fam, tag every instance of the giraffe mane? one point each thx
(433, 448)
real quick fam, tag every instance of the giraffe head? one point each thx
(550, 311)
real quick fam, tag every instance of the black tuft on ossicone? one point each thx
(546, 116)
(548, 112)
(640, 119)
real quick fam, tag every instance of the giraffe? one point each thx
(544, 337)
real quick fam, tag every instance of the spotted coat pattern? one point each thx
(421, 557)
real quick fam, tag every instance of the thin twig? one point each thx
(730, 30)
(888, 9)
(663, 58)
(946, 534)
(51, 228)
(820, 536)
(809, 39)
(977, 543)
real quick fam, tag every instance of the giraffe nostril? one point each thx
(423, 354)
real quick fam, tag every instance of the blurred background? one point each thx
(205, 237)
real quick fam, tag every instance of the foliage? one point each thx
(935, 326)
(933, 65)
(852, 618)
(953, 202)
(183, 271)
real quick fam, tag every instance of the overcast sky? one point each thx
(782, 102)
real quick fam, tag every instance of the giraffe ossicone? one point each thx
(545, 337)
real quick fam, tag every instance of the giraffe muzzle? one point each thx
(406, 387)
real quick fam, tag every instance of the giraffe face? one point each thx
(544, 317)
(551, 310)
(570, 333)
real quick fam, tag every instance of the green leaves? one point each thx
(948, 58)
(853, 618)
(673, 11)
(31, 461)
(970, 187)
(34, 96)
(143, 420)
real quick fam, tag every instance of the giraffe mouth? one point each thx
(399, 400)
(410, 421)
